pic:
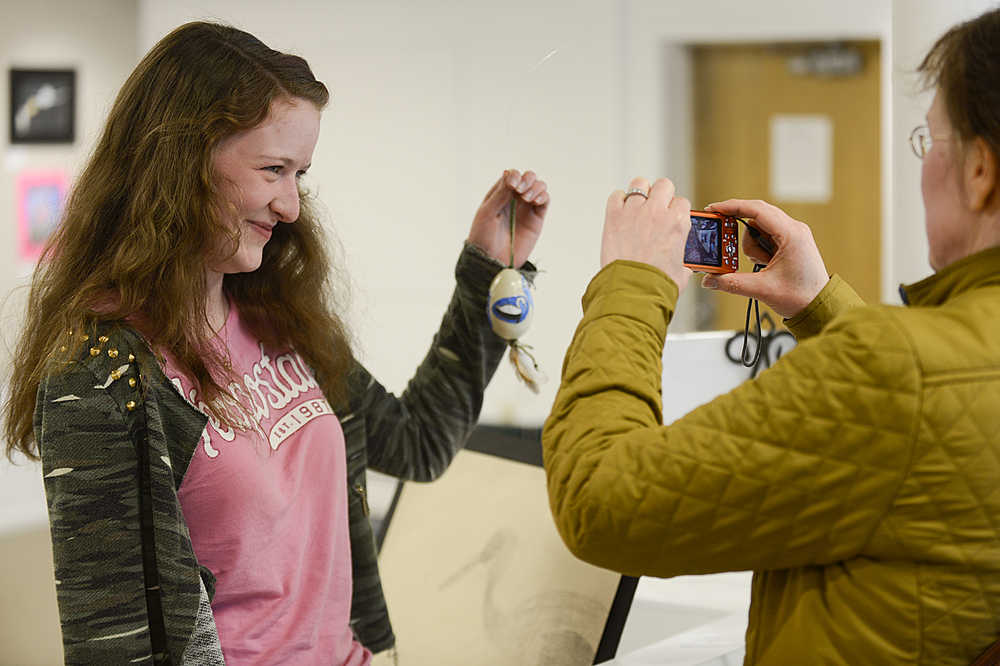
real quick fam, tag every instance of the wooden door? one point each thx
(738, 89)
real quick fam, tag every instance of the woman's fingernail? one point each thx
(710, 282)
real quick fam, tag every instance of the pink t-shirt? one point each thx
(266, 506)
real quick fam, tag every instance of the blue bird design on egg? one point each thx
(511, 306)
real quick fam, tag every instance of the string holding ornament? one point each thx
(510, 309)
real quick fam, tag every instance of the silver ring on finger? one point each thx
(633, 191)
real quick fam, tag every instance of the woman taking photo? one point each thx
(186, 379)
(858, 477)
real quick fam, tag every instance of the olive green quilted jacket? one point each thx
(859, 477)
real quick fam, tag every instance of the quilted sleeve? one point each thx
(90, 472)
(836, 297)
(794, 468)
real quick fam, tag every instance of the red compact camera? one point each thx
(713, 243)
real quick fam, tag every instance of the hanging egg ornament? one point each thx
(511, 306)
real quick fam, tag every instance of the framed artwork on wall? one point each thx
(42, 106)
(41, 197)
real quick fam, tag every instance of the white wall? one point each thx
(98, 39)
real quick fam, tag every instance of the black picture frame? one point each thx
(42, 106)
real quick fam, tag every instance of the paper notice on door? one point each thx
(801, 158)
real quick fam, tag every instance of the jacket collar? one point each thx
(978, 270)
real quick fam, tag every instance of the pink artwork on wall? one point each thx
(41, 196)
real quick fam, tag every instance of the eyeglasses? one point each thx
(921, 140)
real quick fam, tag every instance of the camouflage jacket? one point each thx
(116, 438)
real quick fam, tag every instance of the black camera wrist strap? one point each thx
(752, 303)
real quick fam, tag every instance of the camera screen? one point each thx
(704, 242)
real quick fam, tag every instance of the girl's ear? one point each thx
(980, 175)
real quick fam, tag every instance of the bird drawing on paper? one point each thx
(544, 627)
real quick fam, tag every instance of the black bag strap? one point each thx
(151, 575)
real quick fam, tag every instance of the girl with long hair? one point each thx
(184, 377)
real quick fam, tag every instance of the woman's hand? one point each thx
(651, 230)
(490, 228)
(794, 274)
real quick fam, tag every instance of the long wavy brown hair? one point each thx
(132, 246)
